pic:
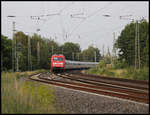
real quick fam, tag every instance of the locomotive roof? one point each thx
(57, 55)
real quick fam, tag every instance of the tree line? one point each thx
(41, 51)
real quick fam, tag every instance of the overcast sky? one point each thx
(78, 22)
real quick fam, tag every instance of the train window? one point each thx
(57, 59)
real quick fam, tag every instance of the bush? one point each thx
(92, 70)
(141, 74)
(101, 71)
(102, 64)
(119, 64)
(137, 74)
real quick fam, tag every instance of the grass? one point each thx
(139, 74)
(19, 96)
(128, 73)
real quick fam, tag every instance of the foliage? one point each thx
(127, 73)
(102, 64)
(6, 51)
(89, 54)
(40, 59)
(71, 50)
(119, 64)
(47, 47)
(126, 43)
(137, 74)
(101, 71)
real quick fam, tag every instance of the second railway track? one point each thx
(98, 87)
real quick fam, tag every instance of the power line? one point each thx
(92, 14)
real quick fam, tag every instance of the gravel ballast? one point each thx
(73, 101)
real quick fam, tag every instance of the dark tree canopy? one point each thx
(6, 51)
(126, 43)
(89, 54)
(71, 50)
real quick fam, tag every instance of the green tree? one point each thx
(126, 43)
(89, 54)
(6, 53)
(70, 50)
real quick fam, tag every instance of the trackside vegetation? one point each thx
(24, 96)
(120, 71)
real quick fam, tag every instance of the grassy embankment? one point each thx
(127, 73)
(20, 96)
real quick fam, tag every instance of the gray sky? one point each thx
(90, 28)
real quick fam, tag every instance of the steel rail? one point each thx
(83, 88)
(116, 79)
(111, 81)
(111, 87)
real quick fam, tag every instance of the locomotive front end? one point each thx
(57, 63)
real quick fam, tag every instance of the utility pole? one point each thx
(78, 57)
(52, 49)
(38, 52)
(17, 69)
(1, 61)
(13, 44)
(18, 54)
(72, 55)
(29, 54)
(136, 45)
(95, 56)
(139, 47)
(114, 49)
(13, 49)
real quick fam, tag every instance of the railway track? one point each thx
(136, 84)
(95, 85)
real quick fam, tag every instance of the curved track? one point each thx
(136, 92)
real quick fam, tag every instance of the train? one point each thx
(59, 63)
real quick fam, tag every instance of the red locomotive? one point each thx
(57, 62)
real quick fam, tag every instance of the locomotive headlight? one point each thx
(54, 63)
(57, 63)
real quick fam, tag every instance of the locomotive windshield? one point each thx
(57, 59)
